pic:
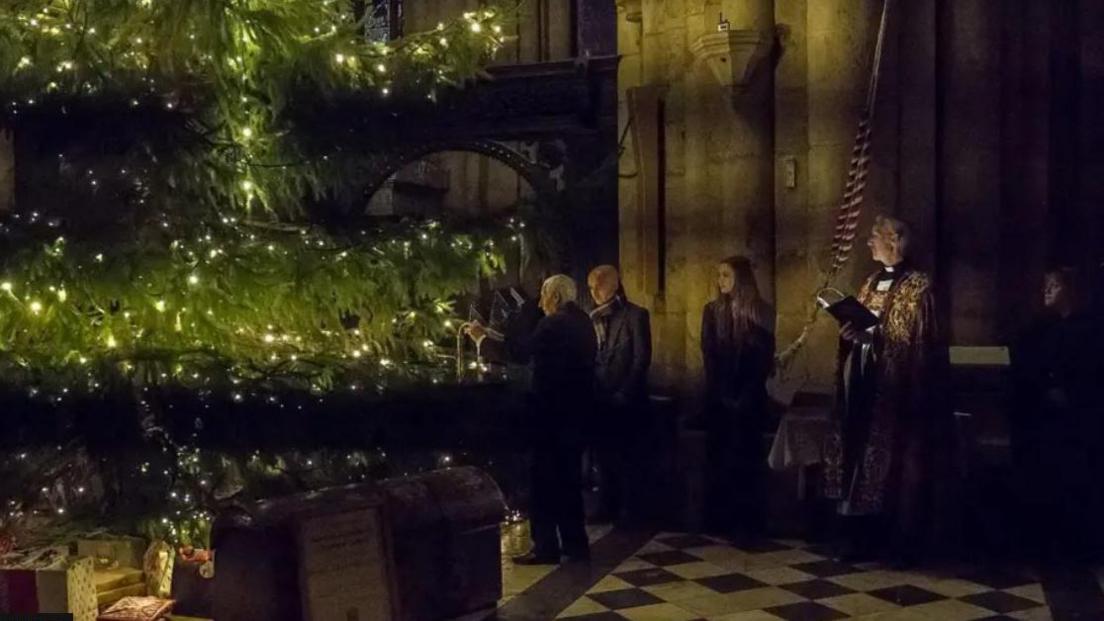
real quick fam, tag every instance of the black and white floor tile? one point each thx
(679, 577)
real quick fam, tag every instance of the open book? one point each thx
(847, 309)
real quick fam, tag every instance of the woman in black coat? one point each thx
(737, 341)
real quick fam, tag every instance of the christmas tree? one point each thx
(164, 255)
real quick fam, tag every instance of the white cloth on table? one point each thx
(800, 439)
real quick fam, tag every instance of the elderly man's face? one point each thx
(603, 287)
(883, 249)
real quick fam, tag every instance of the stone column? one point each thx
(822, 80)
(970, 163)
(914, 33)
(728, 205)
(795, 263)
(1025, 164)
(629, 76)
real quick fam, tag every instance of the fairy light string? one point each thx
(164, 247)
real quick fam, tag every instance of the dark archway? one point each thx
(387, 163)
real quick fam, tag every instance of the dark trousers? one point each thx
(736, 478)
(557, 501)
(612, 453)
(611, 472)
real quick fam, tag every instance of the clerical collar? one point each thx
(891, 271)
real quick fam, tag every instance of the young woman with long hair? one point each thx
(737, 342)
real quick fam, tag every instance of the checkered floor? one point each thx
(678, 577)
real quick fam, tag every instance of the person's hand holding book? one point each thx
(849, 333)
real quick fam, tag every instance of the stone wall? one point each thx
(696, 181)
(983, 140)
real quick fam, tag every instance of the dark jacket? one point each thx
(736, 371)
(561, 349)
(621, 367)
(1057, 370)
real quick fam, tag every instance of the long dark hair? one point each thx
(744, 308)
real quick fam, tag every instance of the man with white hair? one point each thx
(562, 350)
(889, 422)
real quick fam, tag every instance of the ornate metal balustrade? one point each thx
(572, 101)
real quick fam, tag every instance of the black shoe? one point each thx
(536, 559)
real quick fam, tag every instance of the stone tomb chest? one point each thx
(416, 548)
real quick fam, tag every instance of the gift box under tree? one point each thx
(114, 551)
(49, 583)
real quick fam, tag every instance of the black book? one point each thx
(850, 310)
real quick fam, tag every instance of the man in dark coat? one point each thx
(562, 350)
(624, 335)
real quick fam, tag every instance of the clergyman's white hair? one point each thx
(563, 286)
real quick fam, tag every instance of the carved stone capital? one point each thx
(732, 56)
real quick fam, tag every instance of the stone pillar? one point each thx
(665, 66)
(970, 162)
(747, 183)
(729, 177)
(914, 71)
(709, 141)
(822, 79)
(1025, 164)
(796, 267)
(629, 76)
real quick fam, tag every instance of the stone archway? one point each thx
(387, 163)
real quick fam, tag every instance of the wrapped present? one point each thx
(138, 609)
(159, 569)
(112, 552)
(115, 584)
(111, 579)
(107, 598)
(48, 582)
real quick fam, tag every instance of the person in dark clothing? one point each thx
(737, 343)
(1057, 425)
(624, 335)
(562, 350)
(885, 450)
